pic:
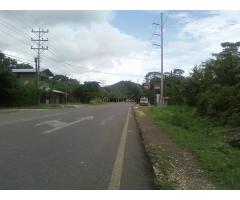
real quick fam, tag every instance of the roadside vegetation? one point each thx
(213, 87)
(16, 93)
(218, 159)
(203, 113)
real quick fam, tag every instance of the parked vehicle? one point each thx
(144, 101)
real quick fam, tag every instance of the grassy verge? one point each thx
(40, 106)
(219, 160)
(162, 167)
(52, 106)
(48, 106)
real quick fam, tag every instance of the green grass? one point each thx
(219, 160)
(49, 106)
(40, 106)
(162, 167)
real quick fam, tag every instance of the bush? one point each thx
(14, 93)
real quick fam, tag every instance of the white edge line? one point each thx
(115, 180)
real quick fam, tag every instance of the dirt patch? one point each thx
(174, 167)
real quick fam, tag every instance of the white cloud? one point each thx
(200, 36)
(88, 43)
(79, 42)
(182, 17)
(212, 30)
(53, 17)
(99, 47)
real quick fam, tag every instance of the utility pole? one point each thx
(36, 67)
(40, 48)
(161, 46)
(66, 91)
(161, 95)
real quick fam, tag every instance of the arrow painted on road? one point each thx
(60, 125)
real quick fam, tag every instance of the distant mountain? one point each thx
(124, 90)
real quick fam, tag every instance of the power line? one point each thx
(25, 35)
(24, 39)
(19, 59)
(87, 70)
(12, 36)
(18, 39)
(57, 61)
(55, 55)
(66, 63)
(156, 19)
(166, 18)
(22, 19)
(27, 25)
(14, 29)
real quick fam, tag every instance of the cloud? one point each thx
(85, 45)
(198, 35)
(53, 17)
(81, 43)
(97, 47)
(214, 29)
(182, 17)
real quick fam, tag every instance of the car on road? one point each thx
(144, 101)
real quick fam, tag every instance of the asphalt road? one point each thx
(91, 147)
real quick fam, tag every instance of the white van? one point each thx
(143, 101)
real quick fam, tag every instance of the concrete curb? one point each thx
(173, 167)
(148, 156)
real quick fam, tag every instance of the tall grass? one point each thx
(219, 161)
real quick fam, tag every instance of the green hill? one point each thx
(124, 90)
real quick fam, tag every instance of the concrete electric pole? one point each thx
(161, 46)
(40, 48)
(161, 95)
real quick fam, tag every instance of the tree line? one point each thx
(14, 92)
(213, 87)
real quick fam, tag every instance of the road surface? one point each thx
(91, 147)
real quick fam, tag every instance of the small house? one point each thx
(29, 75)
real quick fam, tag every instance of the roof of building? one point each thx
(54, 91)
(24, 70)
(58, 91)
(47, 71)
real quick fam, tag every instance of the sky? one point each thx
(110, 46)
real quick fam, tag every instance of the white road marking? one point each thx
(53, 123)
(31, 118)
(103, 122)
(61, 125)
(82, 162)
(115, 180)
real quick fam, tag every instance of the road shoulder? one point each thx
(174, 167)
(38, 108)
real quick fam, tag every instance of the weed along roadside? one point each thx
(186, 152)
(174, 168)
(38, 107)
(47, 106)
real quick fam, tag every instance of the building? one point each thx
(146, 85)
(29, 75)
(53, 96)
